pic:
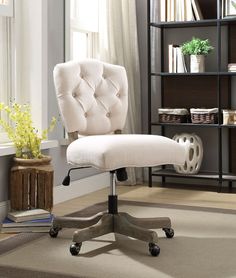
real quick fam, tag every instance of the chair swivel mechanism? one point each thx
(93, 101)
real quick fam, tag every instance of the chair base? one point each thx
(113, 222)
(121, 223)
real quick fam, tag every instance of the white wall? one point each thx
(52, 49)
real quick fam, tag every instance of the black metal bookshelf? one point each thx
(221, 79)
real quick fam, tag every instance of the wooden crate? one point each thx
(31, 184)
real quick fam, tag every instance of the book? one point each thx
(181, 66)
(36, 225)
(170, 57)
(26, 215)
(172, 10)
(181, 10)
(40, 229)
(189, 10)
(168, 10)
(196, 10)
(163, 10)
(176, 61)
(36, 222)
(175, 58)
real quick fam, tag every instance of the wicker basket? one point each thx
(204, 116)
(229, 117)
(177, 115)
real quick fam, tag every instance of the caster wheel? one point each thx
(53, 232)
(154, 249)
(169, 232)
(75, 248)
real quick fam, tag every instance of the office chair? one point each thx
(93, 101)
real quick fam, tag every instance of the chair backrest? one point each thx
(92, 96)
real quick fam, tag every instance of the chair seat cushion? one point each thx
(110, 152)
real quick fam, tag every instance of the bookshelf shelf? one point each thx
(193, 125)
(194, 23)
(223, 73)
(184, 24)
(187, 125)
(215, 87)
(227, 20)
(201, 175)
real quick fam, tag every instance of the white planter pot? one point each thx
(197, 63)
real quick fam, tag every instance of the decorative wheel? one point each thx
(169, 232)
(53, 232)
(75, 248)
(154, 249)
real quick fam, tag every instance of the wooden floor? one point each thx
(88, 200)
(143, 193)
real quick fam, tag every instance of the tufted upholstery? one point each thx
(92, 96)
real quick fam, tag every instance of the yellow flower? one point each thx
(21, 131)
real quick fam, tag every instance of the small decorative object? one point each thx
(204, 116)
(173, 115)
(197, 49)
(31, 179)
(229, 7)
(194, 153)
(229, 117)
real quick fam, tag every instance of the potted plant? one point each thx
(21, 132)
(31, 178)
(197, 49)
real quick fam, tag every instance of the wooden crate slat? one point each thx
(40, 189)
(33, 189)
(48, 190)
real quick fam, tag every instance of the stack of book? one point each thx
(232, 67)
(180, 10)
(35, 220)
(176, 59)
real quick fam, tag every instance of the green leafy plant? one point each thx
(21, 132)
(196, 47)
(233, 3)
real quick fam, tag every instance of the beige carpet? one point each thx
(204, 246)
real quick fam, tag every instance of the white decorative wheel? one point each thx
(193, 160)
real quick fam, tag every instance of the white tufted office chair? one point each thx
(93, 100)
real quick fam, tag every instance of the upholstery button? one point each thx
(108, 115)
(74, 94)
(95, 96)
(85, 115)
(118, 94)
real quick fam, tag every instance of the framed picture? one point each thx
(7, 7)
(229, 7)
